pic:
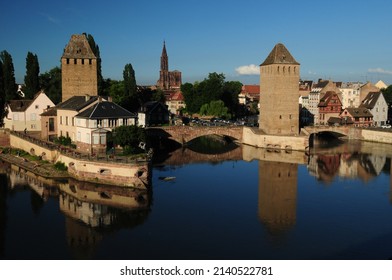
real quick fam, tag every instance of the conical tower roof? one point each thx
(164, 53)
(78, 47)
(279, 55)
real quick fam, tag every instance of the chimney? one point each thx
(87, 97)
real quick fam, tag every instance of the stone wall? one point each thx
(377, 136)
(257, 139)
(135, 174)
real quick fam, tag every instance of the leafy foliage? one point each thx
(95, 48)
(387, 92)
(215, 108)
(129, 138)
(9, 83)
(210, 89)
(32, 76)
(2, 95)
(60, 166)
(130, 99)
(51, 84)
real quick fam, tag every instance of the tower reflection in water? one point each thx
(92, 210)
(277, 196)
(278, 182)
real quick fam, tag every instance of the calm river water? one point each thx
(244, 204)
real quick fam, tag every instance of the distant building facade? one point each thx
(376, 104)
(279, 80)
(168, 79)
(78, 69)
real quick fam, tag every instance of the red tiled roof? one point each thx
(176, 96)
(251, 89)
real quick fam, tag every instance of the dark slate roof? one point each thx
(151, 106)
(51, 112)
(370, 100)
(78, 47)
(19, 105)
(359, 112)
(104, 110)
(76, 103)
(279, 55)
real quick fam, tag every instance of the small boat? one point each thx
(166, 178)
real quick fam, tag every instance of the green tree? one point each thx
(9, 84)
(32, 76)
(50, 82)
(158, 95)
(129, 138)
(387, 92)
(95, 48)
(211, 89)
(231, 90)
(130, 99)
(2, 96)
(116, 91)
(215, 108)
(191, 98)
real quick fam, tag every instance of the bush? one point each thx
(60, 166)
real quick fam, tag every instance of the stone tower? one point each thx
(168, 79)
(279, 84)
(78, 68)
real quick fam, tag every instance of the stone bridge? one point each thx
(339, 131)
(184, 134)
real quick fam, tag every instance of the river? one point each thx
(246, 203)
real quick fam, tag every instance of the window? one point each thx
(82, 61)
(67, 60)
(36, 106)
(66, 120)
(89, 61)
(95, 139)
(33, 126)
(79, 136)
(15, 117)
(33, 116)
(51, 124)
(61, 119)
(75, 61)
(88, 140)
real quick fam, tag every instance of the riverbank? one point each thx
(39, 167)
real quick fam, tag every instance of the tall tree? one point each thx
(51, 83)
(130, 101)
(32, 76)
(10, 87)
(2, 95)
(95, 48)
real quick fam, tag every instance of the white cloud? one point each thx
(380, 71)
(248, 70)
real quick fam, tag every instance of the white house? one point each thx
(25, 114)
(377, 105)
(94, 124)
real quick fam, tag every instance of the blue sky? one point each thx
(339, 40)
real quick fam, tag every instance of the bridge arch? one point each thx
(185, 134)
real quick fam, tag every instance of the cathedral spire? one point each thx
(164, 59)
